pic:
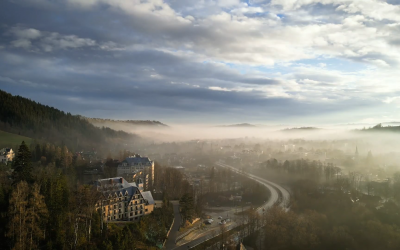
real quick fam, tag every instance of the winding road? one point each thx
(278, 195)
(276, 190)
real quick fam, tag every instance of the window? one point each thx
(141, 211)
(136, 213)
(146, 209)
(131, 214)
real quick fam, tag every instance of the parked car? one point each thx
(222, 222)
(207, 222)
(220, 217)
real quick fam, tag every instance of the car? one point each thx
(220, 217)
(228, 220)
(222, 223)
(207, 222)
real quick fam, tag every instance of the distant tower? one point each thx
(356, 153)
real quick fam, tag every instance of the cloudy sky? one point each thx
(206, 61)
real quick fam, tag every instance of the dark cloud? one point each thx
(104, 62)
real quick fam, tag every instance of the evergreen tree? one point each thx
(187, 207)
(22, 165)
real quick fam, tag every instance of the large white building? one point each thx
(137, 169)
(123, 201)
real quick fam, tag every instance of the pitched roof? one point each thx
(149, 197)
(137, 159)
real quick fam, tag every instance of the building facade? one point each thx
(137, 169)
(6, 155)
(123, 201)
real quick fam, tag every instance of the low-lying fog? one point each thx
(377, 142)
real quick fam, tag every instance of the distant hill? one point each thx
(380, 128)
(19, 115)
(300, 129)
(139, 123)
(241, 125)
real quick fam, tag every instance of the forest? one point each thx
(329, 210)
(28, 118)
(43, 205)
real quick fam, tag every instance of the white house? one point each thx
(6, 155)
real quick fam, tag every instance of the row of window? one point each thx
(122, 216)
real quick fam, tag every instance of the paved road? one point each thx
(170, 244)
(269, 184)
(272, 200)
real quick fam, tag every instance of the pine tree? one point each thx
(187, 207)
(23, 165)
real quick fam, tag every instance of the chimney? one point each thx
(111, 181)
(122, 180)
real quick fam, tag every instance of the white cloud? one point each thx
(32, 39)
(216, 88)
(24, 33)
(228, 3)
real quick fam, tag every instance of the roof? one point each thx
(137, 159)
(5, 151)
(116, 186)
(149, 197)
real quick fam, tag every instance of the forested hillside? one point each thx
(25, 117)
(380, 128)
(135, 123)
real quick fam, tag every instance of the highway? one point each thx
(276, 190)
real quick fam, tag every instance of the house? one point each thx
(135, 168)
(122, 201)
(6, 155)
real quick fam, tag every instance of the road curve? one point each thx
(275, 195)
(273, 187)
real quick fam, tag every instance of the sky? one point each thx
(302, 62)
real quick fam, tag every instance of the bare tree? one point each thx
(18, 230)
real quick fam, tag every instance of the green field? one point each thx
(12, 140)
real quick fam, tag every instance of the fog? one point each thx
(342, 137)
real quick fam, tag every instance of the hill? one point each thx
(241, 125)
(300, 129)
(135, 123)
(380, 128)
(19, 115)
(9, 140)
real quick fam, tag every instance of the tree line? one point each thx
(22, 116)
(42, 205)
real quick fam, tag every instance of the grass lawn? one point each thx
(12, 140)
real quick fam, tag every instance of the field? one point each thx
(12, 140)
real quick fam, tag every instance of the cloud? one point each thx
(300, 57)
(29, 38)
